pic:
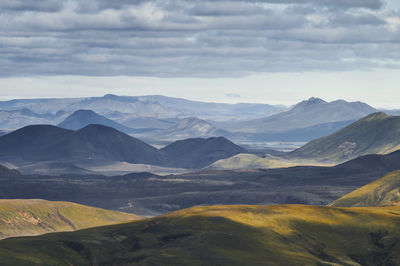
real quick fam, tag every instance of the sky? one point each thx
(270, 51)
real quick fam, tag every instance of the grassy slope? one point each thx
(251, 161)
(374, 134)
(225, 235)
(34, 217)
(382, 192)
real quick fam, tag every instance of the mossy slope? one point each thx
(225, 235)
(382, 192)
(377, 133)
(251, 161)
(35, 217)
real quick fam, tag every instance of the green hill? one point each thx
(35, 217)
(225, 235)
(382, 192)
(377, 133)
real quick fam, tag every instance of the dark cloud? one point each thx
(31, 5)
(195, 38)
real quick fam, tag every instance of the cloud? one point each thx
(181, 38)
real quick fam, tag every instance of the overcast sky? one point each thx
(273, 51)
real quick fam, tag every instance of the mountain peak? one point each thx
(310, 102)
(314, 100)
(110, 96)
(83, 112)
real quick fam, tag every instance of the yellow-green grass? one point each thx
(382, 192)
(35, 217)
(251, 161)
(225, 235)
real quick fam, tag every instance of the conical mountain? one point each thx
(200, 152)
(82, 118)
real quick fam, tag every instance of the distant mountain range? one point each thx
(44, 143)
(377, 133)
(160, 118)
(144, 106)
(304, 114)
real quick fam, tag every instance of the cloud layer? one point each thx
(175, 38)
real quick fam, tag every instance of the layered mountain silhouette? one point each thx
(13, 119)
(144, 106)
(97, 142)
(305, 114)
(377, 133)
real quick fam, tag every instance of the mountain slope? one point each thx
(382, 192)
(374, 134)
(250, 161)
(199, 152)
(4, 171)
(82, 118)
(35, 217)
(225, 235)
(305, 114)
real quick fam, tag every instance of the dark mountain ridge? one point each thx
(97, 142)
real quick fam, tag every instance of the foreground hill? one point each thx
(225, 235)
(98, 143)
(82, 118)
(305, 114)
(35, 217)
(382, 192)
(377, 133)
